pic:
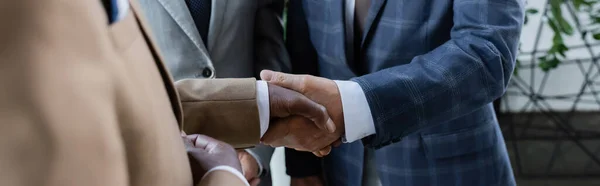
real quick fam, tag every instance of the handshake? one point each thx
(306, 113)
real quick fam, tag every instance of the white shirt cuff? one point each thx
(357, 113)
(262, 100)
(255, 156)
(228, 169)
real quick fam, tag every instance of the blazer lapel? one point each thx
(173, 95)
(181, 14)
(374, 13)
(216, 21)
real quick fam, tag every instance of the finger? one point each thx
(337, 143)
(315, 112)
(254, 182)
(289, 81)
(325, 151)
(203, 141)
(198, 153)
(247, 166)
(190, 140)
(318, 154)
(241, 153)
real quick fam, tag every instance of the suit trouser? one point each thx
(370, 175)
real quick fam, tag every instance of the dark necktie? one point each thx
(200, 10)
(361, 11)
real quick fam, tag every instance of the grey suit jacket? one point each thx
(244, 37)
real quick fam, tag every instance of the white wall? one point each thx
(566, 79)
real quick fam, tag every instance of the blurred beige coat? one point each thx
(87, 103)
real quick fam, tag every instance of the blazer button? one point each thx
(207, 72)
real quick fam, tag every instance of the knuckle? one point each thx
(322, 109)
(225, 146)
(304, 143)
(278, 78)
(303, 83)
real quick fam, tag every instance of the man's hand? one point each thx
(297, 132)
(207, 153)
(298, 122)
(320, 90)
(284, 103)
(308, 181)
(250, 167)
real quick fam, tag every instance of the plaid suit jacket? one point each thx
(430, 70)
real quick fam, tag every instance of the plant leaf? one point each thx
(577, 4)
(562, 24)
(553, 25)
(562, 48)
(596, 36)
(547, 65)
(557, 39)
(565, 26)
(532, 11)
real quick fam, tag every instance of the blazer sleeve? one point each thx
(270, 52)
(218, 178)
(224, 109)
(467, 72)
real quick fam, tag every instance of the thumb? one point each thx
(254, 182)
(266, 75)
(205, 142)
(289, 81)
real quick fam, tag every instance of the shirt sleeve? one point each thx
(262, 100)
(228, 169)
(357, 113)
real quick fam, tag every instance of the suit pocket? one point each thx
(465, 141)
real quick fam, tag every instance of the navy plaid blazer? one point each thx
(430, 70)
